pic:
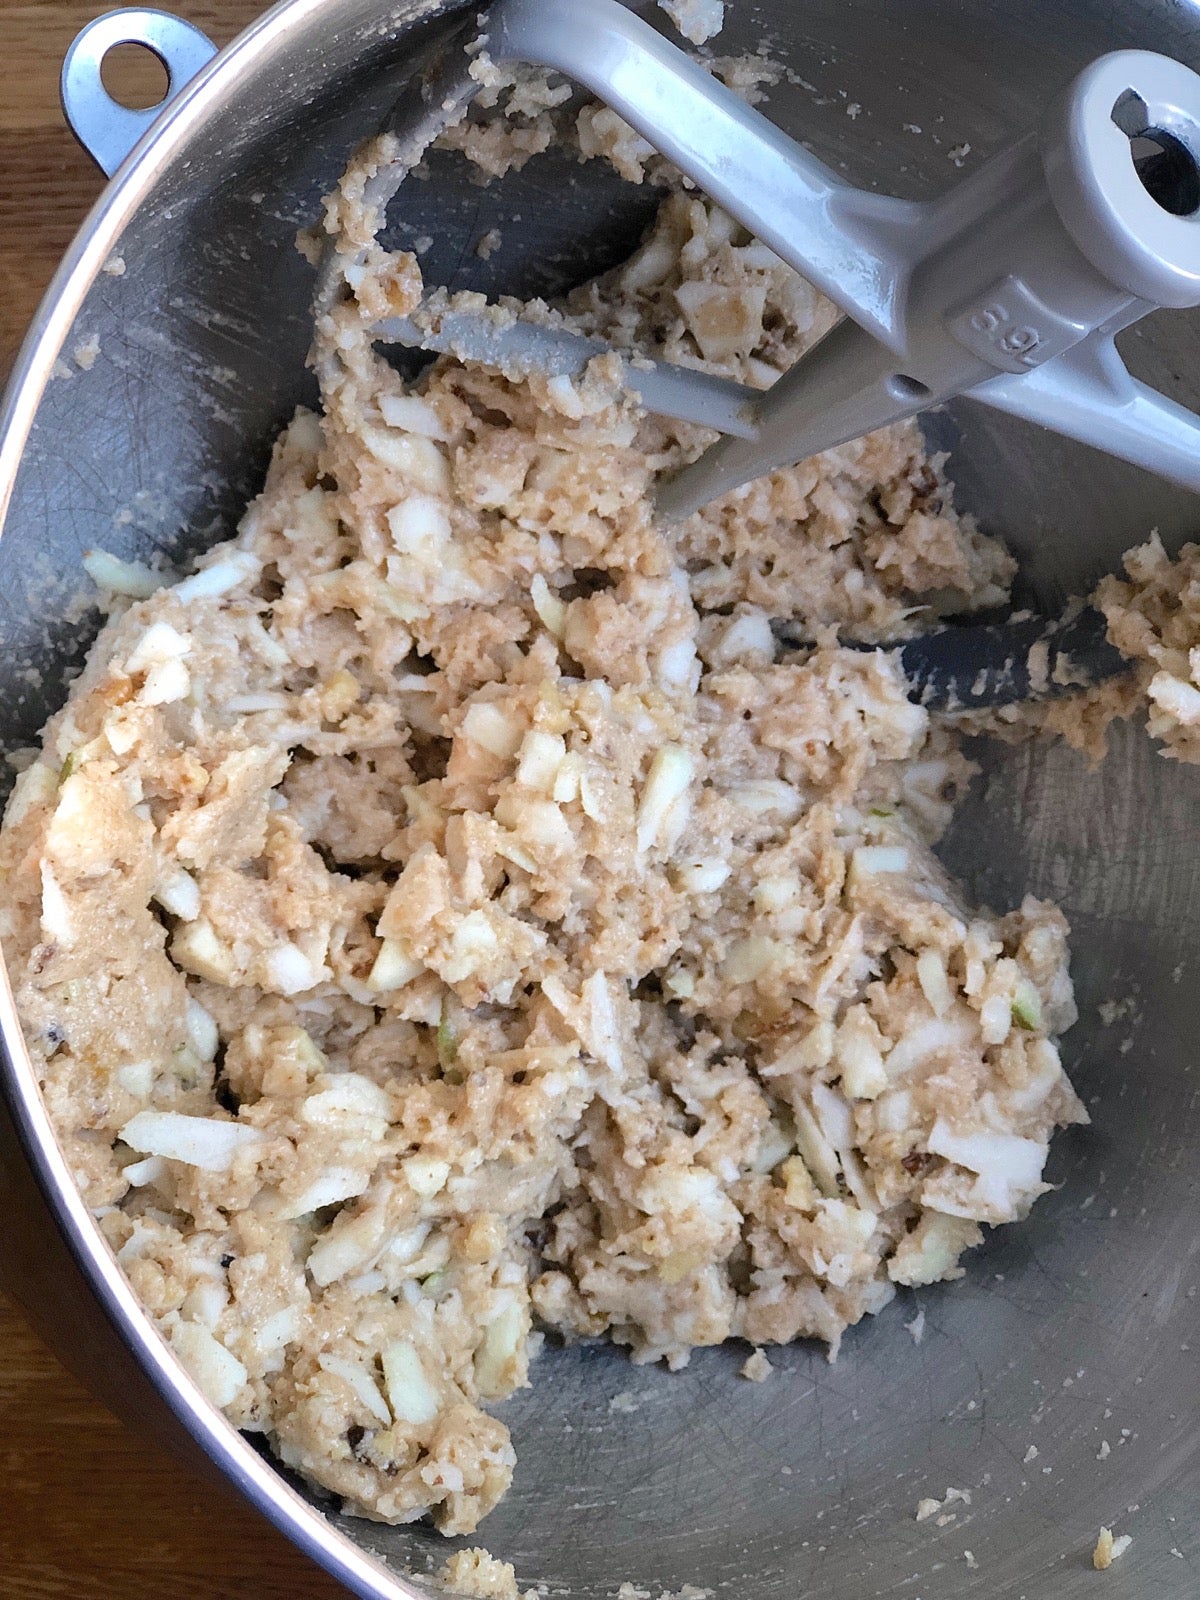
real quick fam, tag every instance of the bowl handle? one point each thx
(106, 129)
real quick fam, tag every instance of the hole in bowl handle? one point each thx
(105, 128)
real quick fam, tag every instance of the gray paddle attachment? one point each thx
(1010, 288)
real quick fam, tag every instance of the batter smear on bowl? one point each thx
(445, 918)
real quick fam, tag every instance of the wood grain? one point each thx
(90, 1512)
(47, 183)
(93, 1513)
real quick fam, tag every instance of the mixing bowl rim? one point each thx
(238, 1460)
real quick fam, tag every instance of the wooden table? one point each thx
(87, 1510)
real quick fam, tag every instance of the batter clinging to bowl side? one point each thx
(441, 917)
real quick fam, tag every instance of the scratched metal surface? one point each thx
(1078, 1329)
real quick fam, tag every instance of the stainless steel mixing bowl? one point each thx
(1081, 1327)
